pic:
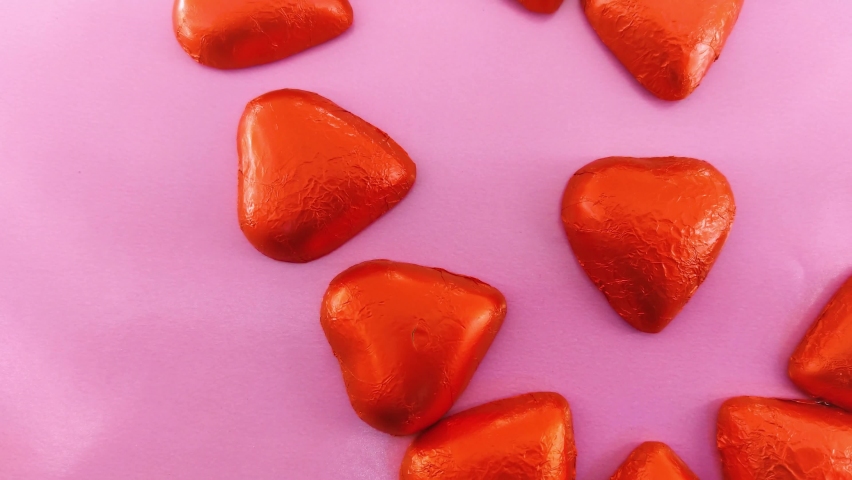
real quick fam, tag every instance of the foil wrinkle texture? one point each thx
(528, 437)
(541, 6)
(647, 231)
(229, 34)
(822, 363)
(771, 439)
(653, 461)
(667, 45)
(312, 175)
(408, 339)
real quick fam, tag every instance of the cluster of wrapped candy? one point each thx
(409, 338)
(668, 46)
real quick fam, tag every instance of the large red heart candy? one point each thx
(239, 33)
(525, 437)
(313, 175)
(647, 231)
(408, 339)
(769, 439)
(668, 45)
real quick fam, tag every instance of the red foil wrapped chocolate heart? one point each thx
(408, 339)
(822, 363)
(667, 45)
(653, 461)
(769, 439)
(647, 231)
(541, 6)
(526, 437)
(238, 33)
(313, 175)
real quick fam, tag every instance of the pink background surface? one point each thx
(141, 337)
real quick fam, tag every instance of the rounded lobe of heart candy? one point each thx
(312, 175)
(530, 436)
(822, 363)
(541, 6)
(668, 46)
(230, 34)
(653, 461)
(408, 339)
(647, 231)
(770, 439)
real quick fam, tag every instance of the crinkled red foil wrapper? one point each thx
(528, 436)
(231, 34)
(408, 339)
(313, 175)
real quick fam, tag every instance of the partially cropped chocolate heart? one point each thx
(313, 175)
(822, 364)
(541, 6)
(239, 33)
(668, 45)
(769, 439)
(408, 339)
(653, 461)
(647, 231)
(525, 437)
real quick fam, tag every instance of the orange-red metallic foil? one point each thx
(313, 175)
(541, 6)
(243, 33)
(822, 364)
(668, 45)
(653, 461)
(647, 231)
(408, 339)
(769, 439)
(526, 437)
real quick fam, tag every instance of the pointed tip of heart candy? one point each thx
(313, 175)
(667, 46)
(541, 6)
(647, 231)
(822, 363)
(653, 461)
(760, 437)
(408, 339)
(237, 34)
(530, 436)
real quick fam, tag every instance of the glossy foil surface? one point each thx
(541, 6)
(242, 33)
(313, 175)
(668, 45)
(653, 461)
(822, 363)
(770, 439)
(528, 437)
(408, 339)
(647, 231)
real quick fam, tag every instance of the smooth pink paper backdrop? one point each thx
(141, 337)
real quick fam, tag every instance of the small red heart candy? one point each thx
(822, 363)
(769, 439)
(668, 45)
(647, 231)
(238, 33)
(408, 339)
(313, 175)
(525, 437)
(541, 6)
(653, 461)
